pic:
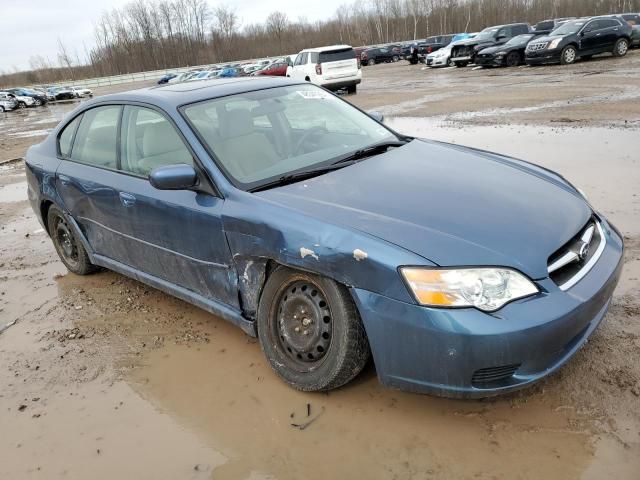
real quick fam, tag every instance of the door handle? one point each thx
(64, 180)
(127, 199)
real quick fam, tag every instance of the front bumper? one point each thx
(438, 351)
(543, 56)
(492, 61)
(437, 61)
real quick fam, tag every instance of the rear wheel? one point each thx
(22, 105)
(310, 330)
(568, 55)
(371, 61)
(461, 64)
(37, 102)
(621, 48)
(513, 59)
(68, 247)
(395, 58)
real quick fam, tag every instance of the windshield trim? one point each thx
(248, 187)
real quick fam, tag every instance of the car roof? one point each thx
(173, 95)
(324, 49)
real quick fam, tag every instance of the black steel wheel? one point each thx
(69, 248)
(310, 330)
(22, 105)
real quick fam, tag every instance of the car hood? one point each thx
(451, 205)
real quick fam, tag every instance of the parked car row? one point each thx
(24, 97)
(562, 40)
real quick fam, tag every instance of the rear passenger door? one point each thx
(87, 177)
(592, 40)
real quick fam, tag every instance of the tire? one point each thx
(569, 55)
(461, 64)
(22, 105)
(513, 59)
(37, 102)
(395, 58)
(1, 109)
(69, 248)
(336, 348)
(451, 63)
(371, 61)
(621, 47)
(352, 89)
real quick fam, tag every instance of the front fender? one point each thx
(258, 231)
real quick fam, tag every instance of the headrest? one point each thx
(236, 123)
(160, 138)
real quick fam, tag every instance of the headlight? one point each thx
(487, 289)
(501, 54)
(554, 43)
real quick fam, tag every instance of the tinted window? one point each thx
(149, 140)
(547, 25)
(608, 23)
(314, 57)
(595, 25)
(337, 55)
(95, 142)
(66, 137)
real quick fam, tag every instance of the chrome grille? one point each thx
(574, 260)
(535, 47)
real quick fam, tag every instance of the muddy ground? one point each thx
(102, 377)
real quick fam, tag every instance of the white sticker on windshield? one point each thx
(313, 94)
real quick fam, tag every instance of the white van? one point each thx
(333, 67)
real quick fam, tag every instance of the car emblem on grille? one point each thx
(583, 251)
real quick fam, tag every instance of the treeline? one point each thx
(160, 34)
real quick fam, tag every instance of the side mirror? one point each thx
(582, 33)
(173, 177)
(377, 116)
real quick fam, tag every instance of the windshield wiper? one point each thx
(339, 162)
(301, 175)
(369, 151)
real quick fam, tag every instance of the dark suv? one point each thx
(464, 53)
(581, 38)
(371, 56)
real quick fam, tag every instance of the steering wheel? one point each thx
(306, 135)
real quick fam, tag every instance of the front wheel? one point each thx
(461, 64)
(310, 331)
(513, 59)
(371, 61)
(395, 58)
(568, 55)
(37, 102)
(621, 48)
(22, 105)
(1, 109)
(69, 248)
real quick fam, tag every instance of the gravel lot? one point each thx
(102, 377)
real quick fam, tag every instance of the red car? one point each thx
(274, 70)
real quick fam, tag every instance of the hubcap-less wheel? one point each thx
(65, 242)
(513, 59)
(303, 325)
(371, 62)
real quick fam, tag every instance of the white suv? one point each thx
(332, 67)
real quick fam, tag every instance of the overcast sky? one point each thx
(31, 27)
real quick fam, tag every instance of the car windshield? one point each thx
(519, 40)
(258, 137)
(486, 34)
(568, 28)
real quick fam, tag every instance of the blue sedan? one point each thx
(308, 223)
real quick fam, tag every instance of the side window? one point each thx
(592, 26)
(148, 141)
(66, 137)
(95, 142)
(502, 33)
(304, 58)
(298, 60)
(609, 23)
(314, 57)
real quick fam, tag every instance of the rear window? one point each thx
(337, 55)
(548, 25)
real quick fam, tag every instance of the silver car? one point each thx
(7, 102)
